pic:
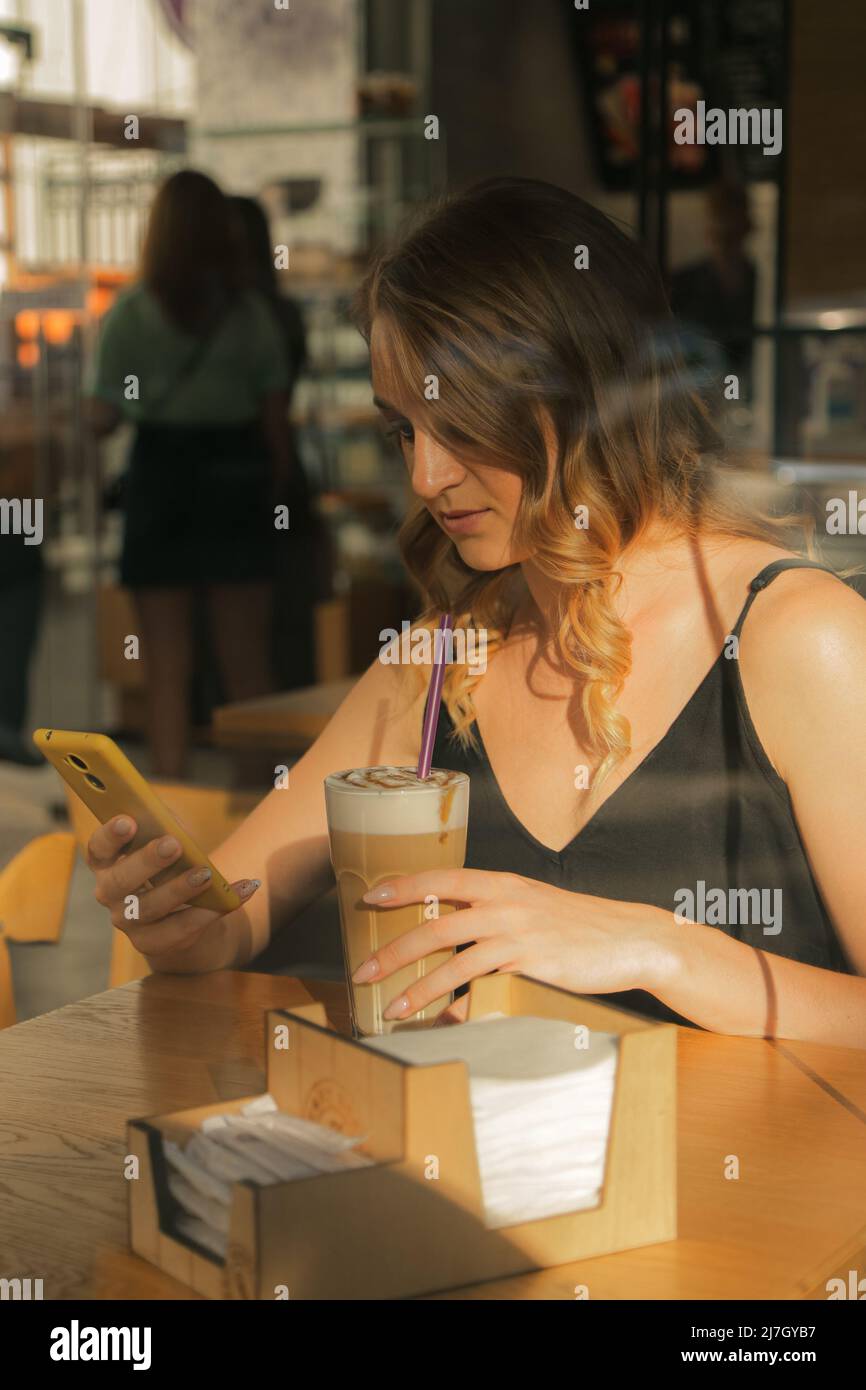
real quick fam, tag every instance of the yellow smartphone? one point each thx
(109, 785)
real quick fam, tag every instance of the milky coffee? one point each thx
(385, 821)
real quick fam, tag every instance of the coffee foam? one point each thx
(396, 801)
(391, 778)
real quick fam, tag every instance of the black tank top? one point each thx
(704, 806)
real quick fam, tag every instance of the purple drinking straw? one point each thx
(434, 700)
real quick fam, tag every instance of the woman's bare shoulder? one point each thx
(802, 654)
(802, 585)
(806, 611)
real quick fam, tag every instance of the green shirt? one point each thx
(141, 353)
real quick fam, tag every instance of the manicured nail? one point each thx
(366, 971)
(398, 1008)
(380, 894)
(167, 847)
(249, 886)
(198, 876)
(122, 826)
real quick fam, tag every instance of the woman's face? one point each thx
(475, 504)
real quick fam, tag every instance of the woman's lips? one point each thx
(462, 522)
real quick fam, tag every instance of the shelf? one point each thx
(359, 125)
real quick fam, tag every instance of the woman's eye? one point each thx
(401, 430)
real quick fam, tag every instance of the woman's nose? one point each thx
(433, 468)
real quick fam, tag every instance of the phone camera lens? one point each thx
(95, 782)
(77, 762)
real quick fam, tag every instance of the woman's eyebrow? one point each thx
(384, 405)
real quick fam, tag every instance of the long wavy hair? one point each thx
(529, 311)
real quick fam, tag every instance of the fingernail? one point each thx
(122, 826)
(168, 847)
(398, 1007)
(249, 886)
(366, 971)
(380, 894)
(198, 876)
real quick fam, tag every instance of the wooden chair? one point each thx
(208, 813)
(7, 998)
(34, 890)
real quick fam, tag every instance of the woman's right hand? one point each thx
(167, 924)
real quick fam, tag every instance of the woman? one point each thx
(259, 273)
(301, 574)
(194, 360)
(567, 504)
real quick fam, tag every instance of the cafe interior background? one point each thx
(321, 112)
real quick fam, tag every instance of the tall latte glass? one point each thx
(385, 821)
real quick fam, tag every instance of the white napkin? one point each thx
(260, 1144)
(202, 1234)
(541, 1108)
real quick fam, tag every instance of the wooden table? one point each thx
(793, 1114)
(292, 720)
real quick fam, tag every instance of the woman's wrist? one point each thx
(686, 960)
(664, 952)
(223, 944)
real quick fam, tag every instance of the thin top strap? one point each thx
(766, 576)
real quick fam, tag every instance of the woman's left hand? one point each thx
(520, 925)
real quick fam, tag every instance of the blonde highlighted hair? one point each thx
(484, 297)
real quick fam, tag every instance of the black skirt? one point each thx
(198, 507)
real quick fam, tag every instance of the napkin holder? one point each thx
(412, 1223)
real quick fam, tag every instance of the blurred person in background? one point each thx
(716, 295)
(258, 269)
(21, 596)
(193, 358)
(297, 578)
